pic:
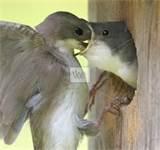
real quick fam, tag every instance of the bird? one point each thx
(36, 66)
(112, 49)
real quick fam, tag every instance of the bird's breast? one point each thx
(100, 55)
(62, 132)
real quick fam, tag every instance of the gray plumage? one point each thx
(24, 64)
(35, 81)
(113, 50)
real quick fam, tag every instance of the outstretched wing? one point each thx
(24, 61)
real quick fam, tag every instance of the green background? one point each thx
(32, 12)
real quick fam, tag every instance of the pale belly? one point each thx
(100, 56)
(62, 130)
(128, 73)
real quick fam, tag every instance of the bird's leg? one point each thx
(87, 127)
(100, 82)
(113, 107)
(91, 128)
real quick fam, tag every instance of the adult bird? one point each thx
(35, 70)
(112, 49)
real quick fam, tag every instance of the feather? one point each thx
(25, 60)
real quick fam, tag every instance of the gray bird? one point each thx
(35, 70)
(113, 50)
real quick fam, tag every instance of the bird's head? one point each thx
(111, 39)
(65, 31)
(112, 49)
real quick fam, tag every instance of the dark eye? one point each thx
(79, 31)
(105, 32)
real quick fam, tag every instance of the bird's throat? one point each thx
(100, 55)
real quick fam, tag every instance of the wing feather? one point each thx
(26, 65)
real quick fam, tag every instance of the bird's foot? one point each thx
(113, 108)
(125, 100)
(89, 128)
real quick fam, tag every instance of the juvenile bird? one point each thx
(112, 49)
(35, 70)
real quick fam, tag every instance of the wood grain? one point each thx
(138, 126)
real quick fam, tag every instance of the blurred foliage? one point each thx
(31, 12)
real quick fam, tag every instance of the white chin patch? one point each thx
(99, 55)
(67, 45)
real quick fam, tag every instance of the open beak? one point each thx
(82, 46)
(85, 45)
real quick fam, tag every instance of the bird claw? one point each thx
(125, 100)
(113, 107)
(87, 127)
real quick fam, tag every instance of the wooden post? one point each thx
(138, 127)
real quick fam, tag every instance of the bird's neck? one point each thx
(61, 45)
(65, 51)
(69, 58)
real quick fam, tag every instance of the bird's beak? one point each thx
(85, 45)
(81, 47)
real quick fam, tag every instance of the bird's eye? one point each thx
(79, 31)
(105, 32)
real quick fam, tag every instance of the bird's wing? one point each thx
(22, 59)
